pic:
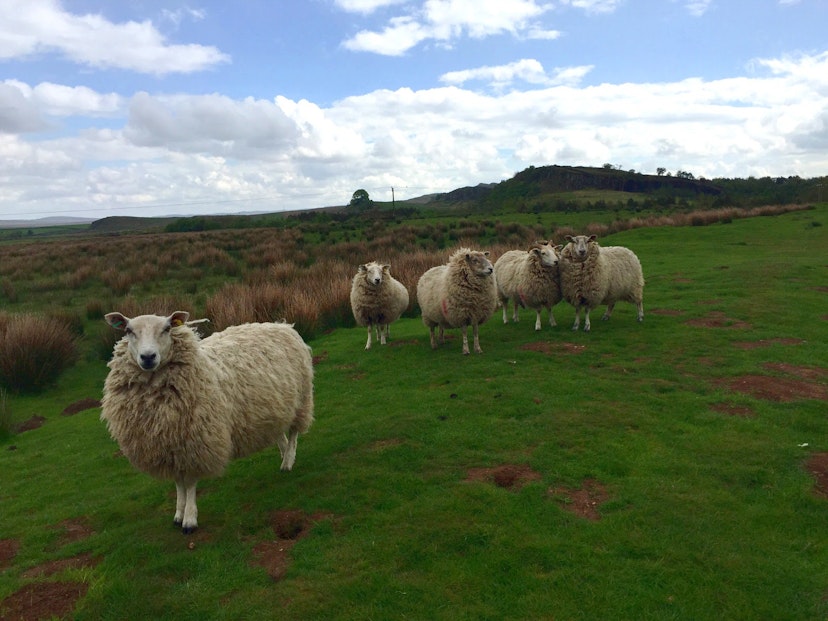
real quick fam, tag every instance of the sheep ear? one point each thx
(485, 253)
(592, 237)
(116, 320)
(569, 238)
(386, 267)
(178, 318)
(362, 269)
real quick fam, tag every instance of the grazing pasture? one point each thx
(670, 469)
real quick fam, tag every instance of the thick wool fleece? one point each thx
(377, 304)
(455, 294)
(522, 277)
(607, 275)
(228, 396)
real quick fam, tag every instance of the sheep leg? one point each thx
(431, 335)
(477, 349)
(608, 312)
(289, 454)
(368, 344)
(577, 323)
(383, 329)
(552, 321)
(537, 320)
(515, 315)
(505, 304)
(186, 510)
(586, 319)
(466, 340)
(442, 335)
(640, 307)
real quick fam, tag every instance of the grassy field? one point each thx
(640, 471)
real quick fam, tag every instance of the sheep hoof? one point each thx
(189, 530)
(177, 523)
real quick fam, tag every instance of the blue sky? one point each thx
(157, 107)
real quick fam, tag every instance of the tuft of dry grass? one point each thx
(34, 351)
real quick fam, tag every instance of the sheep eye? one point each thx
(129, 331)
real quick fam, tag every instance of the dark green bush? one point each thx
(34, 351)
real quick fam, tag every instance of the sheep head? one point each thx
(479, 263)
(148, 336)
(373, 272)
(580, 246)
(546, 253)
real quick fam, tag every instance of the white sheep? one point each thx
(377, 299)
(592, 275)
(531, 279)
(460, 294)
(182, 408)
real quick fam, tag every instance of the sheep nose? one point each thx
(148, 361)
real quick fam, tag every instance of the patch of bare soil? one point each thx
(717, 319)
(42, 600)
(73, 530)
(80, 406)
(509, 476)
(35, 422)
(320, 358)
(8, 550)
(48, 599)
(733, 410)
(768, 343)
(778, 389)
(289, 527)
(809, 373)
(583, 502)
(55, 567)
(817, 467)
(553, 348)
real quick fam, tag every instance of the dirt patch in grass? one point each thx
(35, 422)
(508, 476)
(75, 529)
(55, 567)
(320, 358)
(803, 383)
(80, 406)
(817, 467)
(8, 550)
(288, 527)
(667, 312)
(733, 410)
(583, 502)
(554, 348)
(778, 389)
(48, 599)
(768, 343)
(42, 600)
(717, 319)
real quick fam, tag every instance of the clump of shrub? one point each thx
(34, 351)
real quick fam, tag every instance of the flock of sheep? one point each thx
(182, 407)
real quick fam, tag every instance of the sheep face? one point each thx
(373, 272)
(148, 336)
(580, 246)
(479, 263)
(546, 253)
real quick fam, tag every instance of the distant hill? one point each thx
(43, 222)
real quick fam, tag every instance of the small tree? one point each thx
(360, 200)
(661, 170)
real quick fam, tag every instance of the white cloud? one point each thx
(365, 6)
(594, 6)
(446, 20)
(527, 70)
(31, 27)
(64, 101)
(210, 152)
(697, 8)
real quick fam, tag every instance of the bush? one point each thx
(34, 351)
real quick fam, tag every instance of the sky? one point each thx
(183, 107)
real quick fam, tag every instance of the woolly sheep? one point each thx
(529, 278)
(377, 299)
(182, 408)
(592, 275)
(460, 294)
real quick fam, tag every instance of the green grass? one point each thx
(709, 516)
